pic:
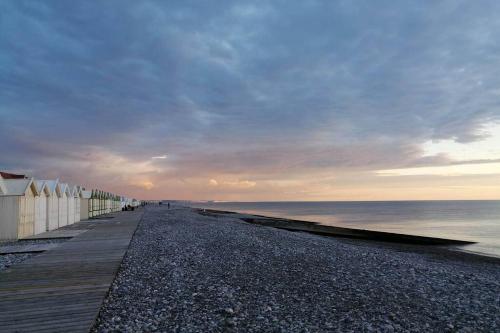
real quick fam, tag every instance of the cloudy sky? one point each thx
(254, 100)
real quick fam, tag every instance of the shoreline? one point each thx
(447, 246)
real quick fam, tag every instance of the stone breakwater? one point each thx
(186, 272)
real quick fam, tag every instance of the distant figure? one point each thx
(168, 205)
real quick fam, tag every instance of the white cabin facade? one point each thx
(17, 207)
(78, 202)
(71, 204)
(63, 205)
(42, 200)
(53, 204)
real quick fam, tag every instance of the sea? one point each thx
(477, 221)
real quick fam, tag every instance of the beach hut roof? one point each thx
(79, 191)
(73, 190)
(65, 188)
(18, 186)
(53, 186)
(42, 187)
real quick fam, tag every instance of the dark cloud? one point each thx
(236, 86)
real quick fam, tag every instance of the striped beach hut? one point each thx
(17, 207)
(96, 204)
(108, 202)
(102, 202)
(92, 203)
(118, 203)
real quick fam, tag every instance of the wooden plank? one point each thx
(64, 305)
(50, 315)
(62, 289)
(68, 323)
(44, 303)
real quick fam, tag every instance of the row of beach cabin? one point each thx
(29, 207)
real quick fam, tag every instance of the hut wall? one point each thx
(71, 209)
(26, 214)
(9, 218)
(77, 209)
(102, 206)
(40, 213)
(52, 212)
(84, 209)
(92, 206)
(63, 210)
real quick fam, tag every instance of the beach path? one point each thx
(62, 289)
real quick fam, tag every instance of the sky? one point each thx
(254, 100)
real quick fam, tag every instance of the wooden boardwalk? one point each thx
(62, 290)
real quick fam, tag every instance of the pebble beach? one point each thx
(186, 272)
(7, 260)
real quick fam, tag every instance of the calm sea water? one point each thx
(477, 221)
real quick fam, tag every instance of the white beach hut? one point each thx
(17, 208)
(63, 205)
(3, 189)
(71, 204)
(41, 204)
(85, 202)
(53, 203)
